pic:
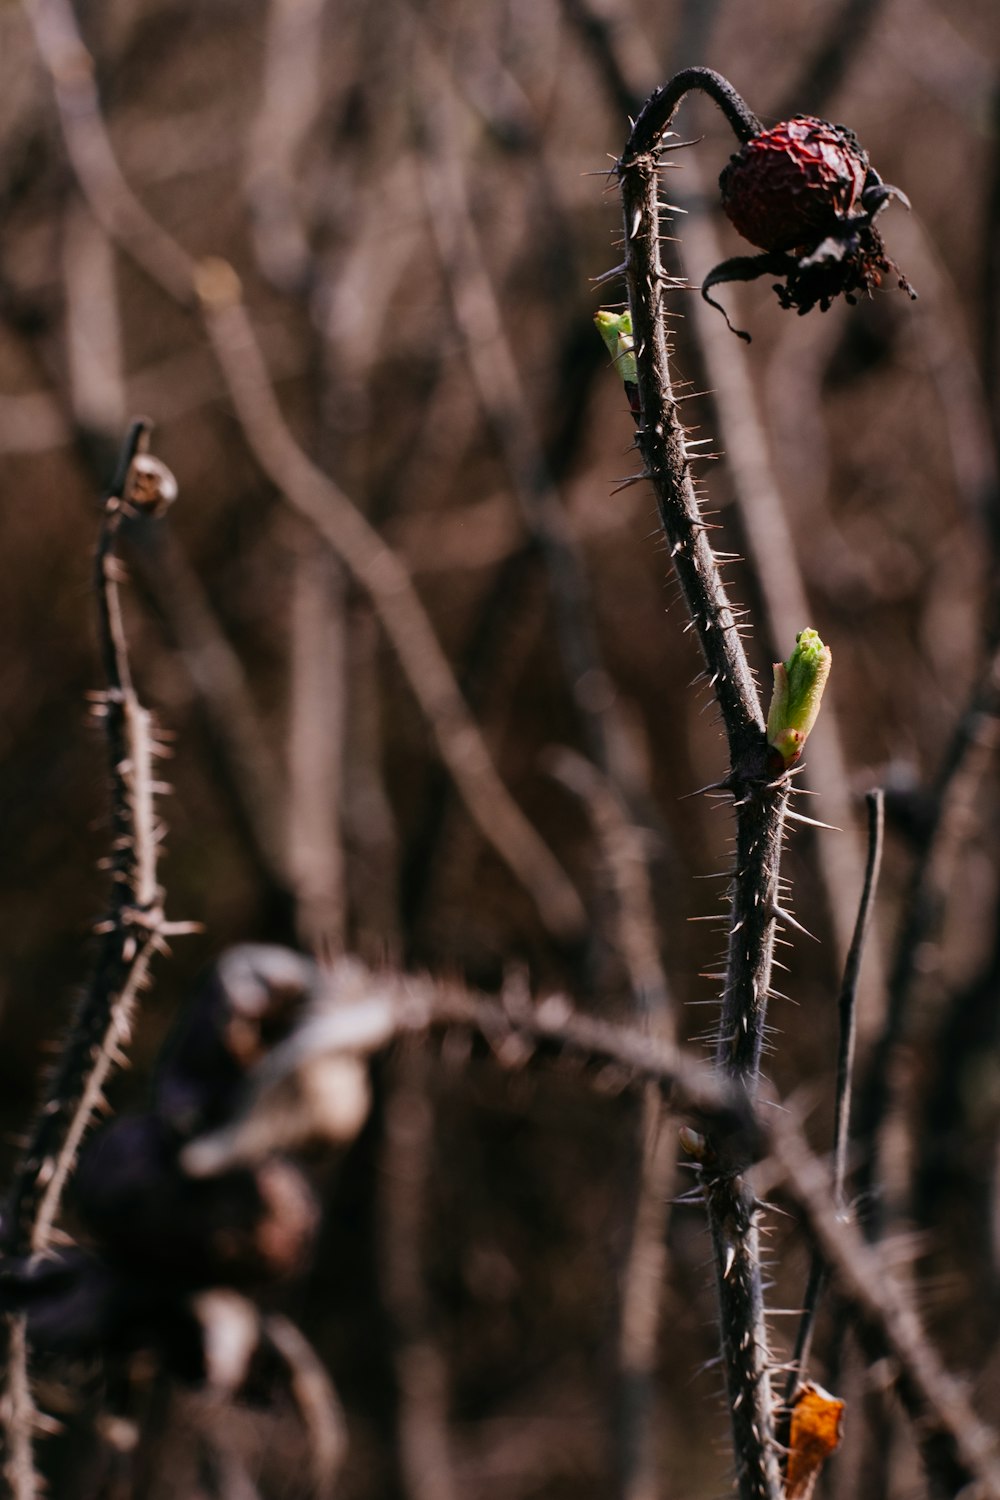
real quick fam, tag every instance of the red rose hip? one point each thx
(790, 186)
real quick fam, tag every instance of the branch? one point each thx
(760, 801)
(132, 930)
(384, 577)
(957, 1446)
(213, 289)
(652, 1171)
(358, 1012)
(847, 1007)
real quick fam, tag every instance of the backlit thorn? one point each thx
(729, 1263)
(797, 817)
(611, 275)
(779, 914)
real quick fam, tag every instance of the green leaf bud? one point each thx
(798, 691)
(616, 331)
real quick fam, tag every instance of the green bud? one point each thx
(616, 331)
(798, 691)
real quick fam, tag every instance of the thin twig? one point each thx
(957, 1446)
(742, 440)
(847, 1009)
(134, 918)
(316, 1398)
(358, 1010)
(919, 911)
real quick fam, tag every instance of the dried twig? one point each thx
(358, 1010)
(847, 1006)
(742, 440)
(134, 926)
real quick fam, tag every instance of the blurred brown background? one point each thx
(413, 196)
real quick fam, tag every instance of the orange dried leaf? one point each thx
(815, 1433)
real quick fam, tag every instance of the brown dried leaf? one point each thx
(815, 1433)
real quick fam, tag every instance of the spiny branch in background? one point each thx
(134, 928)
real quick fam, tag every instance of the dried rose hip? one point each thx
(804, 192)
(791, 185)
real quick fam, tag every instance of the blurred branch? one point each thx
(290, 102)
(359, 1012)
(215, 288)
(316, 1399)
(973, 739)
(845, 35)
(253, 781)
(421, 1370)
(368, 818)
(316, 737)
(847, 1008)
(384, 577)
(624, 849)
(476, 310)
(112, 202)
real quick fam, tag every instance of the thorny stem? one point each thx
(656, 115)
(760, 800)
(133, 928)
(133, 915)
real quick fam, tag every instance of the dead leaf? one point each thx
(815, 1433)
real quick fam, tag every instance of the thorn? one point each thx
(780, 915)
(797, 817)
(607, 276)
